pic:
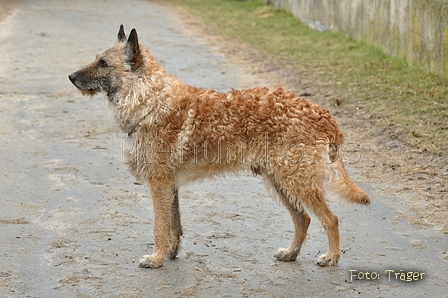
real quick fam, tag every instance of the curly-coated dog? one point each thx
(176, 133)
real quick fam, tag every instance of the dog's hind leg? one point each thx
(301, 222)
(295, 193)
(317, 204)
(176, 226)
(162, 198)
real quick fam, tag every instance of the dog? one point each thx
(176, 133)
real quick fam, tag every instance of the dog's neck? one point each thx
(147, 99)
(144, 104)
(135, 127)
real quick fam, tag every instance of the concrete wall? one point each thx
(414, 30)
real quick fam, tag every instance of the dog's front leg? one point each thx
(162, 198)
(176, 226)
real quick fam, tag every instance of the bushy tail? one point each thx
(342, 185)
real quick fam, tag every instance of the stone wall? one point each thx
(414, 30)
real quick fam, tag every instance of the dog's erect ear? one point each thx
(133, 48)
(121, 34)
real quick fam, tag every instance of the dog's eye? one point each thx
(102, 63)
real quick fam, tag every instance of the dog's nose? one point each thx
(72, 78)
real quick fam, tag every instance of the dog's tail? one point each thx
(343, 186)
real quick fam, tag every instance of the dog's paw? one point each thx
(286, 255)
(328, 260)
(174, 251)
(149, 261)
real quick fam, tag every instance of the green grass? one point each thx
(411, 101)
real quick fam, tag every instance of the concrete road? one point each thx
(74, 224)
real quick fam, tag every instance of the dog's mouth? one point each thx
(89, 92)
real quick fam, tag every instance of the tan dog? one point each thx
(177, 133)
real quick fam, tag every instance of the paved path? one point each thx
(73, 224)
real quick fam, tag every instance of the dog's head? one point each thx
(110, 67)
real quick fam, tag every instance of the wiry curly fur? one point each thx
(177, 133)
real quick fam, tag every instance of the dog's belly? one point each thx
(188, 173)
